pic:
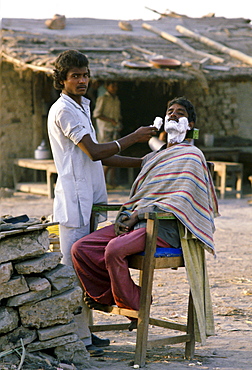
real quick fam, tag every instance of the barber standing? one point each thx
(79, 158)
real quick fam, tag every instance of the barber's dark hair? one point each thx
(64, 62)
(188, 106)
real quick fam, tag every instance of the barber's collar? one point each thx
(84, 102)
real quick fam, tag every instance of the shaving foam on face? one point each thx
(176, 130)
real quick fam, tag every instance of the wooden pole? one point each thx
(23, 65)
(215, 45)
(142, 50)
(37, 118)
(181, 43)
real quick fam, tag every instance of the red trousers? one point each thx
(100, 261)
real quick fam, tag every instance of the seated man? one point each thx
(174, 179)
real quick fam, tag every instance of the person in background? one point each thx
(108, 117)
(78, 159)
(95, 89)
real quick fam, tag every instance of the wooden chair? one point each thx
(152, 258)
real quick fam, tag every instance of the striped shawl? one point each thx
(177, 180)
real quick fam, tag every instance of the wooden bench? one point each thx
(250, 179)
(228, 178)
(35, 164)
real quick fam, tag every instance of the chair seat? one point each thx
(166, 252)
(163, 258)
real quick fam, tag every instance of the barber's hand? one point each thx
(144, 133)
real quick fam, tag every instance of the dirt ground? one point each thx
(230, 276)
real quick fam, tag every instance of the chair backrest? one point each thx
(210, 166)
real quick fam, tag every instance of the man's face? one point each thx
(76, 82)
(112, 88)
(176, 123)
(175, 112)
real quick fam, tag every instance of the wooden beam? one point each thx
(168, 340)
(215, 45)
(23, 65)
(181, 43)
(37, 104)
(142, 50)
(91, 49)
(109, 327)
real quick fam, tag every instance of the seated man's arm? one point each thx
(127, 220)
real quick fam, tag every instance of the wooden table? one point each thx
(250, 179)
(37, 164)
(228, 178)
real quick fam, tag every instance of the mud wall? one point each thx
(25, 99)
(16, 119)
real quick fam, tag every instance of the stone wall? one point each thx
(224, 109)
(39, 297)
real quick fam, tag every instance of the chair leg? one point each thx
(190, 346)
(142, 337)
(143, 320)
(146, 290)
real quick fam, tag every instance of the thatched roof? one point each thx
(29, 43)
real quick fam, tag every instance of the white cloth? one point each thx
(68, 236)
(81, 181)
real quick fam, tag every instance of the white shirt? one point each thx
(80, 181)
